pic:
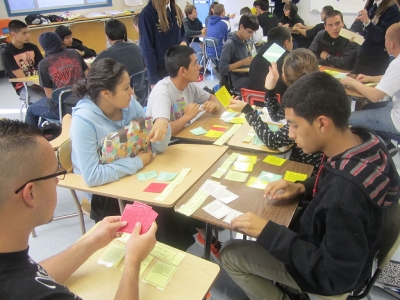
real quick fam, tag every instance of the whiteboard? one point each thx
(345, 6)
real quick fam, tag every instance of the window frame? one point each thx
(55, 9)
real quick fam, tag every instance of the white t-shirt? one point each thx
(166, 101)
(390, 85)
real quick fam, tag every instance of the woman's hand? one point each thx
(159, 130)
(272, 77)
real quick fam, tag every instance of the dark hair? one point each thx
(189, 9)
(245, 10)
(210, 12)
(298, 63)
(293, 9)
(249, 21)
(16, 134)
(327, 8)
(104, 74)
(317, 94)
(63, 31)
(116, 30)
(16, 26)
(136, 19)
(279, 35)
(263, 4)
(177, 57)
(333, 13)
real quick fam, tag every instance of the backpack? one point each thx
(36, 19)
(50, 130)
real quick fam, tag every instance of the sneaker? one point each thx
(215, 245)
(201, 77)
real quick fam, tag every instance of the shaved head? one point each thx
(393, 33)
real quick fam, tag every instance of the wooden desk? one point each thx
(192, 280)
(205, 121)
(65, 129)
(173, 159)
(250, 199)
(26, 80)
(237, 142)
(241, 70)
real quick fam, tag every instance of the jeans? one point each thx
(376, 118)
(38, 110)
(197, 47)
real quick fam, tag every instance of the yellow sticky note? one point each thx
(160, 274)
(231, 110)
(167, 253)
(145, 264)
(273, 160)
(243, 166)
(293, 176)
(236, 176)
(214, 133)
(223, 96)
(237, 120)
(247, 158)
(113, 255)
(256, 183)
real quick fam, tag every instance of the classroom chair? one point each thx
(212, 43)
(140, 86)
(250, 96)
(389, 242)
(59, 96)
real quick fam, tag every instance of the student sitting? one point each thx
(237, 51)
(28, 197)
(259, 66)
(21, 58)
(217, 28)
(61, 67)
(331, 48)
(193, 26)
(279, 7)
(387, 118)
(291, 17)
(266, 19)
(176, 98)
(72, 43)
(296, 64)
(135, 21)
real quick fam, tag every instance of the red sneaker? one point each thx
(201, 77)
(215, 245)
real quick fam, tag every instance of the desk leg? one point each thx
(121, 205)
(207, 245)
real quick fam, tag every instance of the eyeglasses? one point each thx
(60, 175)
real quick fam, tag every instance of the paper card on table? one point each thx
(273, 127)
(156, 187)
(160, 274)
(243, 166)
(214, 134)
(223, 96)
(124, 237)
(224, 195)
(198, 131)
(232, 215)
(166, 176)
(359, 39)
(113, 255)
(336, 74)
(256, 183)
(293, 176)
(269, 177)
(226, 116)
(146, 175)
(174, 183)
(145, 263)
(217, 209)
(223, 139)
(247, 158)
(236, 176)
(273, 160)
(248, 138)
(237, 120)
(273, 53)
(209, 186)
(225, 166)
(219, 128)
(132, 215)
(193, 204)
(168, 254)
(257, 141)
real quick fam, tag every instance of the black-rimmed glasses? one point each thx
(60, 175)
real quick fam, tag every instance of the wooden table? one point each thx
(65, 129)
(192, 279)
(206, 121)
(236, 142)
(199, 158)
(26, 81)
(250, 199)
(241, 70)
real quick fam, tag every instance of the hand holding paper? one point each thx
(273, 53)
(140, 245)
(272, 77)
(236, 105)
(137, 213)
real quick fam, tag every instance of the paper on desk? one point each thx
(113, 255)
(168, 254)
(247, 158)
(269, 177)
(237, 120)
(145, 263)
(146, 175)
(243, 166)
(124, 237)
(249, 136)
(174, 183)
(156, 187)
(256, 183)
(336, 74)
(225, 166)
(198, 131)
(193, 204)
(226, 115)
(223, 96)
(160, 274)
(217, 209)
(236, 176)
(214, 133)
(209, 186)
(224, 195)
(359, 39)
(293, 176)
(273, 53)
(257, 141)
(232, 215)
(166, 176)
(273, 160)
(227, 135)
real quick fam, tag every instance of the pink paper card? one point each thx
(218, 128)
(156, 187)
(132, 215)
(148, 220)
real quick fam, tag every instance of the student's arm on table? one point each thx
(372, 94)
(212, 105)
(190, 112)
(348, 58)
(365, 79)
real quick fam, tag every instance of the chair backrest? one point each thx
(140, 85)
(211, 43)
(59, 97)
(64, 155)
(249, 96)
(4, 25)
(390, 239)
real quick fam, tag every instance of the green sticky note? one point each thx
(273, 53)
(198, 131)
(166, 176)
(257, 141)
(146, 175)
(273, 128)
(236, 176)
(269, 177)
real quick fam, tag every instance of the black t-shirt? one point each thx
(267, 21)
(21, 278)
(311, 33)
(26, 59)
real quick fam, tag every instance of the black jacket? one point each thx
(294, 17)
(267, 21)
(192, 28)
(343, 52)
(78, 45)
(330, 249)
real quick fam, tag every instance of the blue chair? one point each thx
(140, 85)
(59, 96)
(210, 42)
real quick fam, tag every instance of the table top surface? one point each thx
(236, 142)
(206, 121)
(31, 79)
(193, 277)
(173, 159)
(65, 129)
(241, 70)
(250, 199)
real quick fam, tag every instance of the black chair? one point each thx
(140, 85)
(59, 97)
